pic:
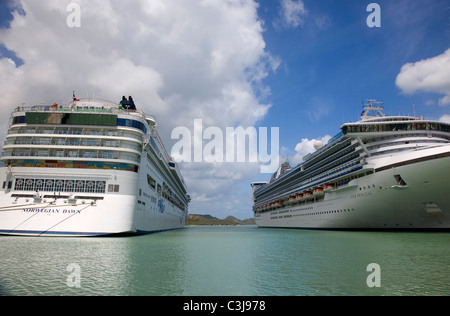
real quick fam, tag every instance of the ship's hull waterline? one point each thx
(86, 214)
(376, 202)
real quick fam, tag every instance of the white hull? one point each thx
(376, 202)
(93, 214)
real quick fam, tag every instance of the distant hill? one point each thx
(199, 219)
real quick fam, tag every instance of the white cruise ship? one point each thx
(383, 172)
(93, 168)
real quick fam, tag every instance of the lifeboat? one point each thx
(318, 191)
(308, 195)
(328, 187)
(299, 197)
(291, 199)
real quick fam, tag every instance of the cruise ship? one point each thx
(91, 168)
(380, 173)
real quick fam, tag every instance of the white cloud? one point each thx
(180, 60)
(291, 14)
(445, 100)
(445, 118)
(222, 188)
(306, 146)
(138, 78)
(429, 75)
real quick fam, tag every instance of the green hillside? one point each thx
(198, 219)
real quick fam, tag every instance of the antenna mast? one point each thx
(372, 106)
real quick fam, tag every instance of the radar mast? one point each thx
(372, 106)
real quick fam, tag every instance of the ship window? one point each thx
(151, 182)
(108, 155)
(59, 185)
(19, 120)
(39, 185)
(113, 188)
(111, 144)
(89, 142)
(399, 180)
(74, 142)
(90, 154)
(159, 189)
(132, 123)
(79, 186)
(90, 186)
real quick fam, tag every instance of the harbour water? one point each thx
(228, 261)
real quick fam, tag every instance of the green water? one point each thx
(228, 261)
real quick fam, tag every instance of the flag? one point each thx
(74, 98)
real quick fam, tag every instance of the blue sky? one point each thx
(329, 69)
(304, 66)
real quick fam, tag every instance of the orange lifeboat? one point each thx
(318, 191)
(291, 199)
(308, 195)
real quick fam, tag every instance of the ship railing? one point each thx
(73, 142)
(322, 178)
(74, 131)
(351, 156)
(104, 155)
(79, 106)
(161, 148)
(343, 182)
(330, 143)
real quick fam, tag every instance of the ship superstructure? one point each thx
(91, 168)
(382, 172)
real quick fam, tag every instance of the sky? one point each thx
(303, 67)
